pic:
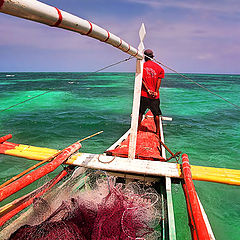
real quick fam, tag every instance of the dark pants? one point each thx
(152, 104)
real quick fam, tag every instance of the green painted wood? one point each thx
(171, 220)
(163, 213)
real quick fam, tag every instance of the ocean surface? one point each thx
(79, 104)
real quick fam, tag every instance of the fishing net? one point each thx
(92, 205)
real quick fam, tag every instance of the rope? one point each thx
(29, 99)
(111, 65)
(101, 161)
(224, 99)
(86, 75)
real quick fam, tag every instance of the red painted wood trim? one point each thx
(128, 48)
(38, 173)
(136, 54)
(59, 18)
(107, 36)
(90, 30)
(5, 138)
(29, 201)
(120, 43)
(7, 146)
(1, 3)
(190, 216)
(147, 142)
(195, 213)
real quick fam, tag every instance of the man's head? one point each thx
(148, 54)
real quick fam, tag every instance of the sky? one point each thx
(190, 36)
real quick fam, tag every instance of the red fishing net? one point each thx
(106, 211)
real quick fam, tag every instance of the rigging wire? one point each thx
(111, 65)
(85, 75)
(205, 88)
(125, 60)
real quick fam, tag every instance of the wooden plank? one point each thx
(166, 118)
(118, 164)
(145, 179)
(171, 220)
(162, 138)
(163, 118)
(210, 174)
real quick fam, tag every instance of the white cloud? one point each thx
(226, 6)
(205, 56)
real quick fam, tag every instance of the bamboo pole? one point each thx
(13, 209)
(199, 229)
(43, 13)
(42, 162)
(5, 138)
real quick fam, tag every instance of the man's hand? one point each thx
(152, 93)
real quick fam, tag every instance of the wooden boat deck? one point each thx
(147, 147)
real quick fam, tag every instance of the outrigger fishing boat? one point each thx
(136, 161)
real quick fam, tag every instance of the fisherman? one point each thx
(152, 77)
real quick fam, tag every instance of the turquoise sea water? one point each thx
(204, 126)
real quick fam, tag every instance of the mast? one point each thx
(136, 97)
(54, 17)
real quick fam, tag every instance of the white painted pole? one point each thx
(136, 97)
(52, 16)
(162, 137)
(168, 184)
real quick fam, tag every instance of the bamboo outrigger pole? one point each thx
(54, 17)
(42, 162)
(199, 228)
(39, 173)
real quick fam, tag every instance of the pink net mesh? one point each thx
(105, 210)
